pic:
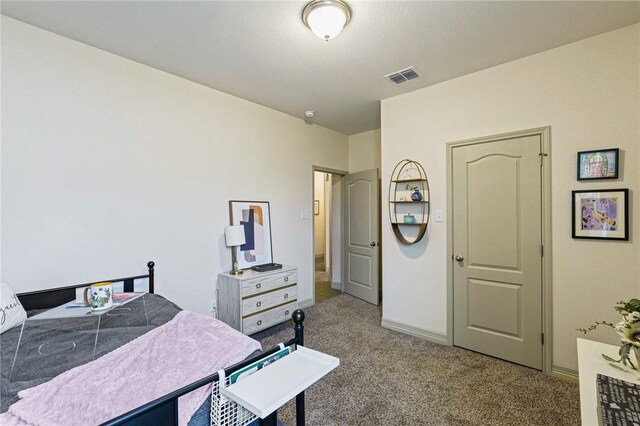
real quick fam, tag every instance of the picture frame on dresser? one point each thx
(255, 216)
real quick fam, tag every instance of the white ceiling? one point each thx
(261, 51)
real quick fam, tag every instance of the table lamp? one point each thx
(234, 237)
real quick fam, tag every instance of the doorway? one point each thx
(327, 234)
(499, 234)
(346, 234)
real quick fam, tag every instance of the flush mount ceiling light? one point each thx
(326, 18)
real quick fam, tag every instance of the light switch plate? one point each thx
(439, 216)
(304, 215)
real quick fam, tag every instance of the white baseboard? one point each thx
(432, 336)
(564, 373)
(305, 303)
(336, 286)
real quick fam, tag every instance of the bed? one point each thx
(49, 351)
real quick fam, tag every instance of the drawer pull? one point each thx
(286, 279)
(286, 295)
(258, 285)
(258, 304)
(259, 322)
(286, 312)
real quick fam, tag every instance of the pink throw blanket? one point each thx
(187, 348)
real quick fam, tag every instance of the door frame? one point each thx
(547, 299)
(342, 173)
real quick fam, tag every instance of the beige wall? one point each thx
(589, 93)
(107, 163)
(319, 219)
(364, 151)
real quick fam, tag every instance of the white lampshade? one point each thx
(326, 18)
(234, 235)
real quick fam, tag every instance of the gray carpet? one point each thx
(388, 378)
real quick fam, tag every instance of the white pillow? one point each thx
(11, 311)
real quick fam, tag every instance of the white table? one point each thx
(64, 311)
(268, 389)
(590, 364)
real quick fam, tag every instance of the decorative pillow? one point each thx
(11, 311)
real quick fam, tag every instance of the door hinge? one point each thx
(542, 338)
(542, 155)
(542, 251)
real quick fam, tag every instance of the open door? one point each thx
(362, 251)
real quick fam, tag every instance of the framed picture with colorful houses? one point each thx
(599, 164)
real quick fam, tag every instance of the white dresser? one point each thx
(254, 301)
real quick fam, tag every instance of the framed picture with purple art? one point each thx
(601, 214)
(255, 216)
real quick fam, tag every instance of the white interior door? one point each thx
(361, 236)
(497, 249)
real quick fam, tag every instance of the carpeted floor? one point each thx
(388, 378)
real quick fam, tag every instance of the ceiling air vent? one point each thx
(403, 76)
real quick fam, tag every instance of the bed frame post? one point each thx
(298, 318)
(150, 265)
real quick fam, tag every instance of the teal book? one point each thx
(258, 365)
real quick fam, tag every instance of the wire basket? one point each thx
(225, 412)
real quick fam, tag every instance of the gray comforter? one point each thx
(42, 349)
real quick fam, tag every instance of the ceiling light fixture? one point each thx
(326, 18)
(309, 114)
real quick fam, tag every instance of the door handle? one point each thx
(459, 258)
(373, 244)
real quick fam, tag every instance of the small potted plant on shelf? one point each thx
(629, 331)
(416, 195)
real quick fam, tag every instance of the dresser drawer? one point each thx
(268, 318)
(263, 301)
(269, 282)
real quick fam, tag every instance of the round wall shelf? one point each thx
(409, 199)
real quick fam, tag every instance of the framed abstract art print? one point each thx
(255, 216)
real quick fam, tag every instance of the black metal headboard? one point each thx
(50, 298)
